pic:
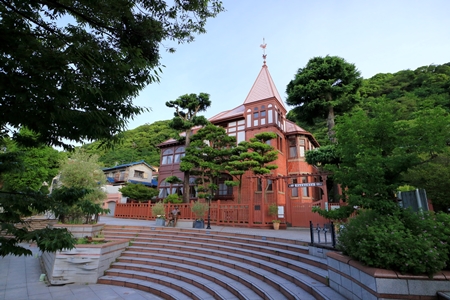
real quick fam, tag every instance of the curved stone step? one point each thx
(289, 251)
(295, 262)
(271, 273)
(226, 287)
(283, 264)
(215, 235)
(156, 289)
(250, 278)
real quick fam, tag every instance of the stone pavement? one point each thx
(20, 276)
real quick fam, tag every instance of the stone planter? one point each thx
(160, 222)
(355, 281)
(82, 230)
(83, 264)
(199, 224)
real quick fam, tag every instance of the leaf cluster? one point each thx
(71, 69)
(206, 157)
(323, 82)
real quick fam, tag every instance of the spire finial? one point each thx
(263, 46)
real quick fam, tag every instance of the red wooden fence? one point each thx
(226, 213)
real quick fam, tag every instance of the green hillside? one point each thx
(135, 144)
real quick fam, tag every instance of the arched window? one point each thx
(179, 153)
(167, 157)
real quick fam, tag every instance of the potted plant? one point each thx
(273, 211)
(158, 211)
(199, 209)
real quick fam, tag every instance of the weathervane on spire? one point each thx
(263, 46)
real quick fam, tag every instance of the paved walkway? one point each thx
(20, 276)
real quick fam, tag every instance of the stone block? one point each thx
(368, 281)
(334, 286)
(355, 273)
(347, 283)
(367, 295)
(392, 286)
(345, 292)
(357, 290)
(344, 268)
(334, 277)
(333, 263)
(427, 287)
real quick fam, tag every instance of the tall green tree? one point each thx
(70, 69)
(263, 153)
(185, 118)
(209, 151)
(323, 88)
(82, 171)
(239, 163)
(34, 167)
(434, 177)
(376, 147)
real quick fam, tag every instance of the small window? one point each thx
(138, 174)
(263, 113)
(269, 185)
(258, 185)
(294, 191)
(292, 148)
(256, 115)
(305, 189)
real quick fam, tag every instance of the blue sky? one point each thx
(377, 36)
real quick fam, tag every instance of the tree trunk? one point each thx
(186, 186)
(330, 124)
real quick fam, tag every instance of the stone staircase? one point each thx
(175, 263)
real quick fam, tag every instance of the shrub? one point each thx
(199, 209)
(402, 241)
(173, 198)
(158, 209)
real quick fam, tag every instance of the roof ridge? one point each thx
(263, 88)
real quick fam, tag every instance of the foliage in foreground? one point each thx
(19, 206)
(403, 241)
(70, 69)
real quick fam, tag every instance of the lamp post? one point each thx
(209, 212)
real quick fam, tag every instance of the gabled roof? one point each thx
(129, 165)
(229, 114)
(263, 88)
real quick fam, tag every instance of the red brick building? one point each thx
(262, 111)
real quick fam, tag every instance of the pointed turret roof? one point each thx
(263, 88)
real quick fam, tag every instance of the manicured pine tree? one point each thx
(185, 118)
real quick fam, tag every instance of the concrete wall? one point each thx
(83, 264)
(82, 230)
(355, 281)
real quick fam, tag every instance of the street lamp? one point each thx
(209, 211)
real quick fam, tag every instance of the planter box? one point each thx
(160, 222)
(82, 230)
(83, 264)
(355, 281)
(198, 224)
